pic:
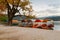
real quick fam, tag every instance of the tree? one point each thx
(12, 7)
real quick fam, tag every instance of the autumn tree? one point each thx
(12, 7)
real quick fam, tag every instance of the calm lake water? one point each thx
(56, 25)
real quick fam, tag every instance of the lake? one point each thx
(56, 25)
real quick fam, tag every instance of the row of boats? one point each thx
(38, 23)
(44, 24)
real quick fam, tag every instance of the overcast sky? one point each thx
(46, 7)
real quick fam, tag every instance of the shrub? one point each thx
(3, 18)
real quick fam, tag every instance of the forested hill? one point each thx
(55, 18)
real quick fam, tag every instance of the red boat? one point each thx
(44, 24)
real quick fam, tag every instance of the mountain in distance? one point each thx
(55, 18)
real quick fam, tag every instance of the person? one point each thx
(30, 23)
(20, 23)
(51, 26)
(37, 23)
(24, 23)
(45, 20)
(44, 26)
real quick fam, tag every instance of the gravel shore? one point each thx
(19, 33)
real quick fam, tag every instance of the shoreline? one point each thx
(20, 33)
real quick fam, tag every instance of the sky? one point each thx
(46, 7)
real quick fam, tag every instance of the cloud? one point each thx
(41, 7)
(44, 14)
(46, 7)
(50, 11)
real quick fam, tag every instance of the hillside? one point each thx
(55, 18)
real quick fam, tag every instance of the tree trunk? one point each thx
(10, 17)
(11, 12)
(9, 21)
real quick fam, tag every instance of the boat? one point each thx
(44, 24)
